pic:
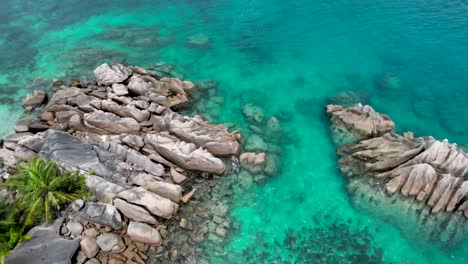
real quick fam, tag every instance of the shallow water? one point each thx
(409, 59)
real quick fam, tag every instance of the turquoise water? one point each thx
(408, 59)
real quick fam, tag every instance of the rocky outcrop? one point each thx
(214, 138)
(134, 212)
(357, 122)
(185, 155)
(106, 75)
(124, 135)
(45, 246)
(109, 123)
(154, 203)
(34, 99)
(423, 171)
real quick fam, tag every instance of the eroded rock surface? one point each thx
(108, 75)
(422, 171)
(357, 122)
(125, 136)
(186, 155)
(45, 246)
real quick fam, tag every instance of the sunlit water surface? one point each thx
(286, 56)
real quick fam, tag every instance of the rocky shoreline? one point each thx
(154, 174)
(420, 183)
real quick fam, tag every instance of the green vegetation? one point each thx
(42, 191)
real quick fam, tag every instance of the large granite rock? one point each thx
(422, 179)
(154, 203)
(357, 122)
(108, 123)
(102, 214)
(134, 212)
(106, 75)
(186, 155)
(129, 110)
(214, 138)
(105, 191)
(36, 98)
(74, 154)
(425, 168)
(45, 246)
(164, 189)
(140, 232)
(59, 99)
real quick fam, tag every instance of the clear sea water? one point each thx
(289, 56)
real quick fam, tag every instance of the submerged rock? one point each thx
(198, 41)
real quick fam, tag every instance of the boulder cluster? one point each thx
(427, 174)
(122, 132)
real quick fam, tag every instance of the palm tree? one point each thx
(42, 190)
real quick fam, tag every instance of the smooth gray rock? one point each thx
(128, 110)
(77, 205)
(44, 247)
(109, 242)
(110, 123)
(36, 98)
(105, 191)
(144, 162)
(185, 155)
(133, 141)
(106, 75)
(89, 246)
(61, 146)
(215, 138)
(119, 89)
(154, 203)
(75, 228)
(134, 212)
(22, 125)
(140, 232)
(164, 189)
(138, 86)
(60, 98)
(102, 214)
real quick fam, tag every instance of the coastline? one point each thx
(123, 135)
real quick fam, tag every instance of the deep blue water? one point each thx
(409, 59)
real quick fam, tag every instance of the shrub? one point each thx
(42, 190)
